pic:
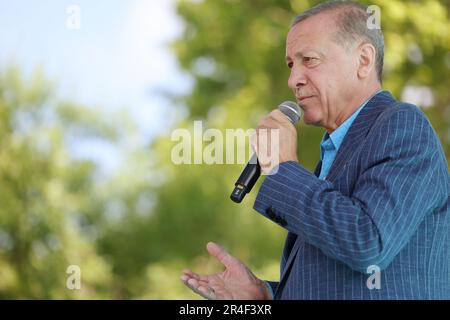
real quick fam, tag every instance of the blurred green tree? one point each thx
(47, 197)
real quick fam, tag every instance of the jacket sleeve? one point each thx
(398, 185)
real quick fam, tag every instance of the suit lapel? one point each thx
(318, 168)
(358, 131)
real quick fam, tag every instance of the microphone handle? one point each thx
(246, 180)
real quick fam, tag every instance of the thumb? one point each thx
(221, 254)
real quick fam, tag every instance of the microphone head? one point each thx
(291, 110)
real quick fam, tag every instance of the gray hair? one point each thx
(351, 22)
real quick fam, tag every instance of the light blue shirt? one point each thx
(331, 142)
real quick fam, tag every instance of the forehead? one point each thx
(313, 33)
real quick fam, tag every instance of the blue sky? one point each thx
(116, 59)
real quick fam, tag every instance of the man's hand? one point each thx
(275, 141)
(237, 282)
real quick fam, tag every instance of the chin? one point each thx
(311, 120)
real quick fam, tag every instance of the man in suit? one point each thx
(373, 222)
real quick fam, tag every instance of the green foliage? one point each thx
(43, 193)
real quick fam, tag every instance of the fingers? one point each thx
(190, 273)
(260, 140)
(274, 119)
(200, 287)
(207, 292)
(194, 275)
(194, 282)
(220, 253)
(279, 116)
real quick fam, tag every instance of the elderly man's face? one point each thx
(323, 74)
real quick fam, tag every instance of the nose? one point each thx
(297, 78)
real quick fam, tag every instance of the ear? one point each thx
(366, 60)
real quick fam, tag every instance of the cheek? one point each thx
(323, 80)
(347, 73)
(313, 113)
(331, 87)
(319, 87)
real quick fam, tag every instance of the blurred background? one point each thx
(90, 93)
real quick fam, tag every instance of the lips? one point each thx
(302, 98)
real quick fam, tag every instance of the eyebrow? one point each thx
(301, 55)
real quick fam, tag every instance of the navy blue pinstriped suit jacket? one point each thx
(385, 202)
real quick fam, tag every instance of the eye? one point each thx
(310, 60)
(290, 65)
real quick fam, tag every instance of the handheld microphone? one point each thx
(252, 170)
